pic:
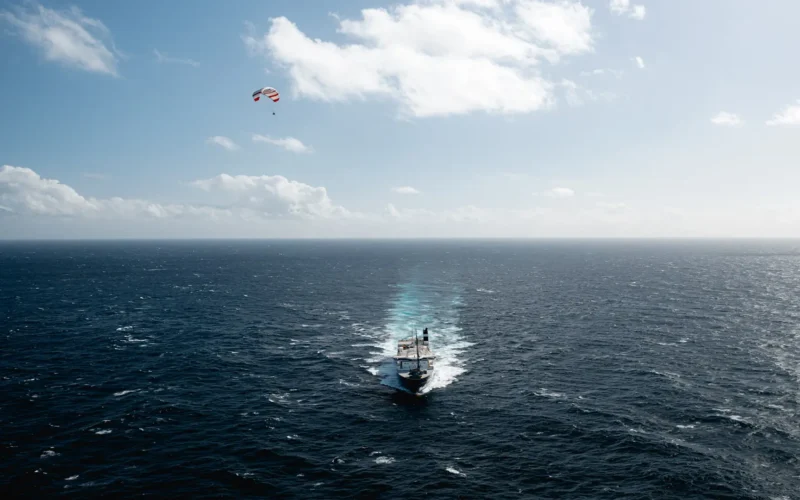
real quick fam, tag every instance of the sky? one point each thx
(417, 118)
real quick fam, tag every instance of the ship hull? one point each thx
(414, 384)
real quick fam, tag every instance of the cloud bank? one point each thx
(274, 206)
(25, 192)
(275, 196)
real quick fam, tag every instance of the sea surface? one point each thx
(567, 369)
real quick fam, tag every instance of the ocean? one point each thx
(567, 369)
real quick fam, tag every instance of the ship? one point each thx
(414, 362)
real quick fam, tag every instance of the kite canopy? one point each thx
(267, 91)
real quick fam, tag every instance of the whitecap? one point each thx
(122, 393)
(278, 399)
(544, 393)
(453, 470)
(130, 338)
(384, 460)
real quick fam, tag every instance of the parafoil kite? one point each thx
(267, 91)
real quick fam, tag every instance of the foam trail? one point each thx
(417, 307)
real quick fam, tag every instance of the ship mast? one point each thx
(416, 341)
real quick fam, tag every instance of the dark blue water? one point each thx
(237, 369)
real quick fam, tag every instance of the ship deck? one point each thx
(407, 349)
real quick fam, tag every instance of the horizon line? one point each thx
(406, 238)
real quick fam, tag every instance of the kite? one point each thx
(269, 92)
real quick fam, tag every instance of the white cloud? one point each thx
(67, 37)
(223, 141)
(639, 62)
(727, 119)
(22, 188)
(789, 116)
(287, 143)
(620, 7)
(24, 192)
(603, 71)
(436, 57)
(405, 190)
(564, 26)
(275, 196)
(560, 192)
(163, 58)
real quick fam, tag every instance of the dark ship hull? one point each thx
(414, 383)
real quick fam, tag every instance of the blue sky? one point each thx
(417, 118)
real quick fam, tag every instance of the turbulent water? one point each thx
(567, 369)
